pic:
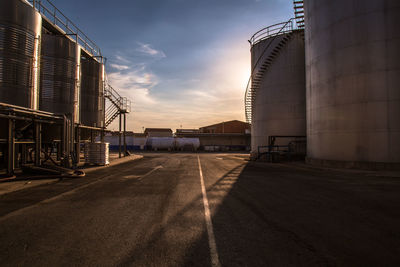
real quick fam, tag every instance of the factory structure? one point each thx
(54, 94)
(325, 85)
(225, 136)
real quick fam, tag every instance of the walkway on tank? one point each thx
(153, 212)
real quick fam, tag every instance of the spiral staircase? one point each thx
(284, 31)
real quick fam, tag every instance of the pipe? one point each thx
(14, 117)
(31, 111)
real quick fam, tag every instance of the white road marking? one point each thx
(150, 172)
(132, 176)
(139, 177)
(210, 230)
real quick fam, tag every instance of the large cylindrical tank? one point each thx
(353, 81)
(59, 75)
(279, 105)
(91, 98)
(20, 28)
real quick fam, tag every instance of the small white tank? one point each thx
(183, 143)
(161, 143)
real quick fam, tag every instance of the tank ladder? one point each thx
(298, 6)
(118, 104)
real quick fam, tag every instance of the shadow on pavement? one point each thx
(280, 215)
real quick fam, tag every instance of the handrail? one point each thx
(271, 30)
(260, 35)
(54, 15)
(123, 103)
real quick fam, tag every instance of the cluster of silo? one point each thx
(352, 70)
(44, 69)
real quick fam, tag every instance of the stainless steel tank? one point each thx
(20, 28)
(353, 81)
(279, 105)
(59, 75)
(92, 94)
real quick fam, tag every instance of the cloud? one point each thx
(119, 67)
(122, 59)
(135, 84)
(148, 50)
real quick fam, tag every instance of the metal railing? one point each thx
(271, 31)
(123, 103)
(268, 32)
(57, 18)
(118, 105)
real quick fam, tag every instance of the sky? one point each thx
(183, 63)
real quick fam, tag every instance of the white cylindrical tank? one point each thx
(353, 81)
(161, 143)
(139, 141)
(183, 143)
(279, 105)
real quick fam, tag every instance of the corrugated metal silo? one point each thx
(59, 75)
(279, 80)
(92, 86)
(20, 28)
(353, 80)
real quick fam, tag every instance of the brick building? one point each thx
(158, 132)
(233, 126)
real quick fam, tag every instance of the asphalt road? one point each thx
(153, 212)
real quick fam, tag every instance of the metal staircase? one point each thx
(298, 6)
(118, 104)
(271, 32)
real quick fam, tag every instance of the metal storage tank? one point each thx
(59, 75)
(160, 143)
(20, 28)
(353, 81)
(278, 80)
(182, 143)
(92, 94)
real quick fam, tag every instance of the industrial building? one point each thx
(53, 88)
(349, 111)
(225, 136)
(158, 132)
(233, 126)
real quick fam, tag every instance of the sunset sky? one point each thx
(182, 62)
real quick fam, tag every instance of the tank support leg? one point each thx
(78, 145)
(11, 148)
(102, 135)
(38, 143)
(119, 134)
(125, 135)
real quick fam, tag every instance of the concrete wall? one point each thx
(279, 107)
(230, 140)
(353, 80)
